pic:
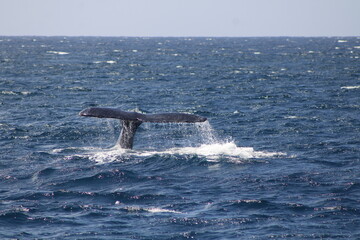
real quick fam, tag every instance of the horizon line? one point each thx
(189, 36)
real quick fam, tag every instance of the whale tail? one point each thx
(132, 120)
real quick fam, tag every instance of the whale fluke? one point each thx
(132, 120)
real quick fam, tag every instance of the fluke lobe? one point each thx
(132, 120)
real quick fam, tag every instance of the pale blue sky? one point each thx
(180, 17)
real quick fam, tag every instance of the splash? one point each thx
(225, 150)
(206, 133)
(115, 154)
(216, 152)
(208, 146)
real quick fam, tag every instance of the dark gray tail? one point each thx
(132, 120)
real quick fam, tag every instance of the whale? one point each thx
(130, 121)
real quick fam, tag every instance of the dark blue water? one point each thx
(278, 158)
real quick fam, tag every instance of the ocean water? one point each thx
(278, 158)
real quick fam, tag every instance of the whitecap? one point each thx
(61, 150)
(109, 62)
(150, 209)
(160, 210)
(350, 87)
(292, 117)
(57, 52)
(15, 93)
(247, 201)
(8, 93)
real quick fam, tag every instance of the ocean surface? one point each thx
(278, 158)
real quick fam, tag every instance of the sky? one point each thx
(164, 18)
